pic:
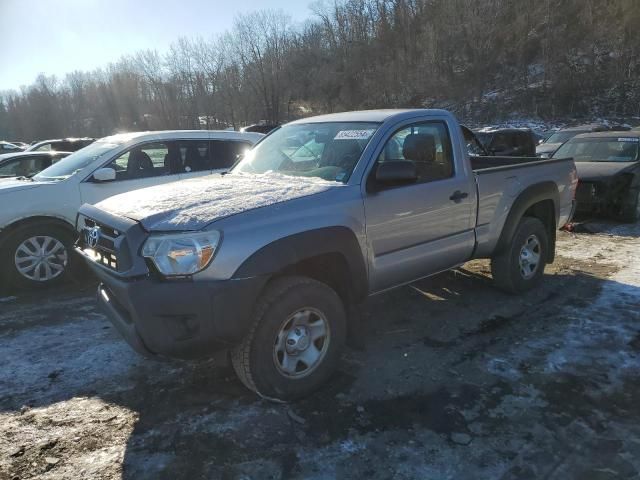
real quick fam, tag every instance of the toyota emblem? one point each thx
(93, 236)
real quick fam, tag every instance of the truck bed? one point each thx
(481, 164)
(499, 180)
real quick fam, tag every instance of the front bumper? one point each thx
(178, 319)
(591, 196)
(182, 318)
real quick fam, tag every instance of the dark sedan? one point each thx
(27, 164)
(608, 165)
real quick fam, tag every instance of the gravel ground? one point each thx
(457, 380)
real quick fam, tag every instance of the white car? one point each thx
(38, 214)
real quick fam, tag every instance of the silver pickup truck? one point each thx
(268, 260)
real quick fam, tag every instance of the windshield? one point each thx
(604, 149)
(561, 137)
(76, 161)
(324, 150)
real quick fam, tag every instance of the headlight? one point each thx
(181, 254)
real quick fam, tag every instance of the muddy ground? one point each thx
(457, 380)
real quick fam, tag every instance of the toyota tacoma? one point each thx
(269, 260)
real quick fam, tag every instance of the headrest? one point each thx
(139, 160)
(419, 147)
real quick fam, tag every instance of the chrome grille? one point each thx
(102, 248)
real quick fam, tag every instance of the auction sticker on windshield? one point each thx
(354, 134)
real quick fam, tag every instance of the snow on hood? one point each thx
(601, 170)
(192, 204)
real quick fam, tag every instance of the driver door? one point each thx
(417, 229)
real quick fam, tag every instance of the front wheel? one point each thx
(521, 265)
(296, 340)
(36, 256)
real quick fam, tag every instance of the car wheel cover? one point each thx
(530, 255)
(302, 343)
(41, 258)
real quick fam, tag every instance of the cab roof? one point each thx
(377, 116)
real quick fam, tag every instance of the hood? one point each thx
(602, 170)
(10, 185)
(548, 147)
(193, 204)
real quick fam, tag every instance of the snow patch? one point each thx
(601, 333)
(196, 202)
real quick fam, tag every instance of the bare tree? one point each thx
(481, 58)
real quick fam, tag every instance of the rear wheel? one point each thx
(36, 256)
(297, 337)
(521, 266)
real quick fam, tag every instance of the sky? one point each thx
(55, 37)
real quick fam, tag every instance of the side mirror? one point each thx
(396, 172)
(104, 175)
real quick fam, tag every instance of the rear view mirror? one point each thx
(104, 175)
(293, 142)
(396, 172)
(321, 137)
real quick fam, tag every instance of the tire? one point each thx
(631, 210)
(56, 241)
(274, 344)
(509, 274)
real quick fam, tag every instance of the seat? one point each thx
(194, 162)
(420, 148)
(22, 168)
(139, 165)
(629, 150)
(342, 153)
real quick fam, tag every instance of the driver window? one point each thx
(427, 145)
(144, 161)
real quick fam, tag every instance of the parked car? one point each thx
(259, 128)
(555, 141)
(6, 147)
(37, 232)
(608, 166)
(27, 164)
(21, 145)
(61, 145)
(268, 259)
(508, 142)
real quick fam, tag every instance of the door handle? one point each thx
(457, 196)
